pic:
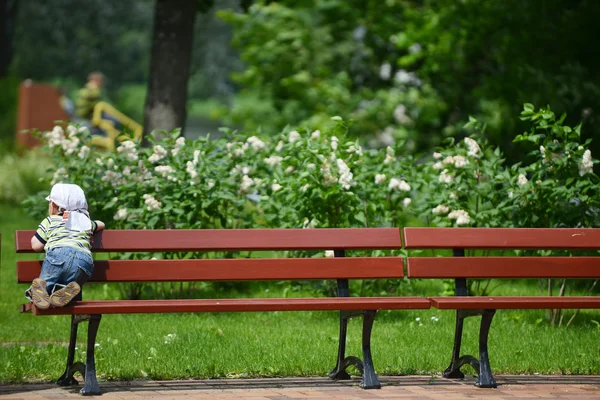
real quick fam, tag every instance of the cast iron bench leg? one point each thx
(67, 378)
(339, 372)
(453, 371)
(91, 383)
(370, 380)
(486, 379)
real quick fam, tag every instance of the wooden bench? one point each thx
(338, 268)
(462, 268)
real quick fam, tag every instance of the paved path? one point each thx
(405, 387)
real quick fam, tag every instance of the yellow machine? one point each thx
(131, 130)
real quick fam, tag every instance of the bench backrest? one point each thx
(459, 239)
(208, 240)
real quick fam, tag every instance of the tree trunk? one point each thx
(172, 40)
(7, 27)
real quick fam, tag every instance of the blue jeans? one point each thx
(63, 265)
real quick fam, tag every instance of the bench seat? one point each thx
(514, 302)
(569, 263)
(185, 259)
(234, 305)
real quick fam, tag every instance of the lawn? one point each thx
(276, 344)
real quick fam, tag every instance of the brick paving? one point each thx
(404, 387)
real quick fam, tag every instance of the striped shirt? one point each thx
(52, 232)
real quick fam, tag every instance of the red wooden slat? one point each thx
(234, 269)
(531, 302)
(501, 238)
(503, 267)
(236, 239)
(235, 305)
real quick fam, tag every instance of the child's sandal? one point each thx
(39, 295)
(62, 297)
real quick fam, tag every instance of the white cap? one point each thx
(71, 198)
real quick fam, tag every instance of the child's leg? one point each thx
(53, 267)
(78, 270)
(41, 287)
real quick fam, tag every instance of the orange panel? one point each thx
(39, 107)
(501, 238)
(235, 239)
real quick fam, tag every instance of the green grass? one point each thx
(275, 344)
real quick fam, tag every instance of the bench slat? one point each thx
(235, 239)
(501, 238)
(233, 269)
(524, 302)
(503, 267)
(234, 305)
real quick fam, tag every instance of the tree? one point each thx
(7, 23)
(172, 40)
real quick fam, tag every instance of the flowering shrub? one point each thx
(558, 188)
(319, 178)
(296, 179)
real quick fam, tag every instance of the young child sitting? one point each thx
(65, 235)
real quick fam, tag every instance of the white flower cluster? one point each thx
(237, 149)
(83, 152)
(128, 150)
(406, 78)
(69, 142)
(441, 210)
(385, 71)
(55, 137)
(399, 184)
(458, 161)
(165, 171)
(190, 166)
(151, 202)
(159, 154)
(328, 178)
(246, 184)
(112, 177)
(121, 214)
(334, 143)
(309, 224)
(400, 115)
(59, 175)
(316, 134)
(256, 143)
(356, 150)
(461, 217)
(345, 178)
(522, 180)
(587, 165)
(473, 147)
(379, 179)
(446, 177)
(191, 169)
(279, 146)
(179, 143)
(275, 186)
(294, 135)
(273, 161)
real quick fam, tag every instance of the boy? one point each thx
(65, 235)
